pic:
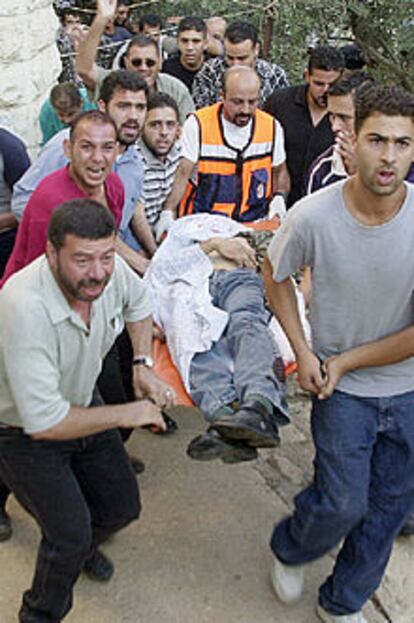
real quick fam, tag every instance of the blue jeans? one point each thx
(243, 360)
(363, 492)
(79, 492)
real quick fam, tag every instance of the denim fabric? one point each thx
(242, 362)
(363, 491)
(79, 492)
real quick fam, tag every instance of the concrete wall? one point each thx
(29, 64)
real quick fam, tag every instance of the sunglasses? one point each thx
(138, 62)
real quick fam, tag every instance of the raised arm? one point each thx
(85, 60)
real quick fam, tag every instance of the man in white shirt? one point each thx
(233, 154)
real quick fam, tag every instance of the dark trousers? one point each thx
(79, 492)
(7, 239)
(363, 493)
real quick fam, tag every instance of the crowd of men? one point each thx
(157, 155)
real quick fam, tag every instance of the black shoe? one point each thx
(251, 424)
(210, 446)
(137, 465)
(5, 526)
(98, 567)
(408, 527)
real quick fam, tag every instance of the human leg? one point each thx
(42, 480)
(240, 292)
(344, 429)
(363, 557)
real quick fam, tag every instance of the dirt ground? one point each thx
(199, 553)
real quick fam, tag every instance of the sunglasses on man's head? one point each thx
(138, 62)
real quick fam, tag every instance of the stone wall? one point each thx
(29, 64)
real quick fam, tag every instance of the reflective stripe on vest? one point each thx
(231, 182)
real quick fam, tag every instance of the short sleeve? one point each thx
(190, 140)
(279, 153)
(31, 363)
(290, 249)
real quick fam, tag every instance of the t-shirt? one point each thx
(50, 124)
(14, 161)
(236, 137)
(303, 141)
(174, 67)
(52, 191)
(49, 358)
(362, 281)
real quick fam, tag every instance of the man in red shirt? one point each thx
(91, 149)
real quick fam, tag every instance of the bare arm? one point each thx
(8, 219)
(237, 250)
(85, 60)
(280, 180)
(183, 174)
(81, 421)
(136, 261)
(282, 300)
(388, 350)
(142, 229)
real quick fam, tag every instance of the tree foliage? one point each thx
(383, 28)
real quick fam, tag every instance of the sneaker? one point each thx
(287, 581)
(251, 423)
(98, 567)
(327, 617)
(6, 530)
(211, 445)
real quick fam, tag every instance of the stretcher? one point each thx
(163, 364)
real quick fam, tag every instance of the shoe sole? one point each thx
(255, 439)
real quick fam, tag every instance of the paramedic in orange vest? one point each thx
(233, 158)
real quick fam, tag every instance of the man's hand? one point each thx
(310, 375)
(238, 250)
(143, 413)
(163, 224)
(106, 8)
(148, 385)
(335, 367)
(345, 149)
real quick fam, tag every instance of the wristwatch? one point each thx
(143, 360)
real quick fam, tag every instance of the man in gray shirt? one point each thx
(65, 462)
(357, 236)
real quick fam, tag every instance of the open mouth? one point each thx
(385, 177)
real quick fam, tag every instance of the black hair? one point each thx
(121, 79)
(96, 116)
(66, 95)
(239, 31)
(83, 218)
(326, 58)
(192, 23)
(349, 82)
(142, 41)
(158, 99)
(150, 19)
(388, 100)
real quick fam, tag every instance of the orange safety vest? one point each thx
(236, 183)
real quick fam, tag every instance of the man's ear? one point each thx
(51, 254)
(256, 50)
(101, 105)
(221, 96)
(67, 148)
(306, 74)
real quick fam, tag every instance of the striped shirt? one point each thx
(158, 179)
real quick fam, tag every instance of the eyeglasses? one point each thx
(138, 62)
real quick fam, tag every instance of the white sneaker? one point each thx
(327, 617)
(287, 581)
